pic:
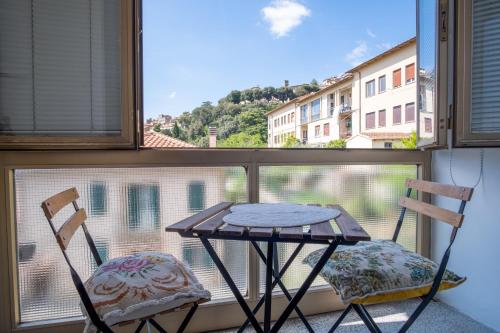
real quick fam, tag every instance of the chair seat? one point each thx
(141, 285)
(379, 271)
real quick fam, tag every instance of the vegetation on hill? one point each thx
(240, 117)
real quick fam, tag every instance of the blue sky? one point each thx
(199, 50)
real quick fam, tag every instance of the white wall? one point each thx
(402, 95)
(476, 252)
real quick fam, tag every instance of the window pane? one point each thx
(315, 109)
(370, 193)
(381, 84)
(426, 54)
(61, 67)
(370, 88)
(141, 203)
(485, 97)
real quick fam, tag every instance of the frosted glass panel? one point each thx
(128, 210)
(485, 96)
(370, 193)
(60, 67)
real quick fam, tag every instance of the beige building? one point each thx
(370, 106)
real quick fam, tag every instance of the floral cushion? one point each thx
(377, 271)
(141, 285)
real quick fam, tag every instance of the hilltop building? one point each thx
(370, 106)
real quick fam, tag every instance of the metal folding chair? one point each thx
(455, 219)
(51, 207)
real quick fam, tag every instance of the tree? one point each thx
(176, 131)
(167, 131)
(234, 97)
(314, 85)
(336, 144)
(409, 142)
(242, 140)
(157, 128)
(292, 142)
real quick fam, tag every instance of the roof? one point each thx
(396, 48)
(158, 140)
(384, 135)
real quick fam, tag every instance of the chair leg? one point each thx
(156, 325)
(369, 317)
(141, 325)
(415, 314)
(341, 318)
(187, 319)
(365, 317)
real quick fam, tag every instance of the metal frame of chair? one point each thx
(63, 236)
(463, 194)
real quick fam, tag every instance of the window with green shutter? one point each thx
(196, 196)
(98, 199)
(143, 206)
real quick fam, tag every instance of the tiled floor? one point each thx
(437, 317)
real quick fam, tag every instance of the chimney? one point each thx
(286, 83)
(212, 137)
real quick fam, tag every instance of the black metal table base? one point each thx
(272, 272)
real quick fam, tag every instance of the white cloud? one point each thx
(384, 46)
(357, 54)
(172, 95)
(284, 15)
(370, 33)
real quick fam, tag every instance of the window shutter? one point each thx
(410, 73)
(381, 118)
(485, 96)
(396, 115)
(370, 120)
(326, 129)
(396, 78)
(196, 196)
(410, 112)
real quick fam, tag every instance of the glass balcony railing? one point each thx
(129, 208)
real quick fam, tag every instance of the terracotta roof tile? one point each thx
(157, 140)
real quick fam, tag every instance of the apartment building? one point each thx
(370, 106)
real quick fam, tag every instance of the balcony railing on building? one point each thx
(345, 108)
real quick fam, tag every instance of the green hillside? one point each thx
(240, 117)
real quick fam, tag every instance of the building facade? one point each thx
(370, 106)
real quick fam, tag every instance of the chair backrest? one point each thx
(464, 194)
(455, 219)
(53, 205)
(64, 234)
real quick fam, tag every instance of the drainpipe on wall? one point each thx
(212, 137)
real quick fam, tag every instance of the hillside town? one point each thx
(369, 106)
